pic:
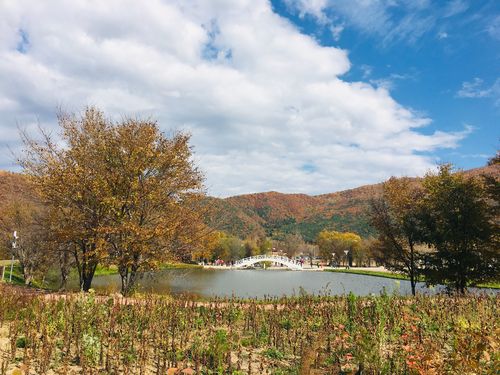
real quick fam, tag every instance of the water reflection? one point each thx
(258, 283)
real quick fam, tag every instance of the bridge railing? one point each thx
(272, 258)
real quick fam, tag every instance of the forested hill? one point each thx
(274, 214)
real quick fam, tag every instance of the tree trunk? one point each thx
(64, 281)
(87, 275)
(87, 280)
(86, 267)
(27, 274)
(130, 275)
(413, 282)
(64, 269)
(129, 281)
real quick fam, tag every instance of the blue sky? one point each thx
(441, 47)
(294, 96)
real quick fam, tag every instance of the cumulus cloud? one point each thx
(266, 104)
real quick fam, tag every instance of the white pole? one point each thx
(14, 245)
(11, 268)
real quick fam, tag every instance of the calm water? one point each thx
(258, 283)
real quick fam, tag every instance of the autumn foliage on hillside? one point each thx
(273, 213)
(277, 213)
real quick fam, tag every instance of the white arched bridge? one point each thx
(250, 261)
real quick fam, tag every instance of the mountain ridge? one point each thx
(278, 213)
(272, 213)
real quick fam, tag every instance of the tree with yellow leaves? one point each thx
(27, 218)
(332, 245)
(396, 217)
(125, 193)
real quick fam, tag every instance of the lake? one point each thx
(257, 283)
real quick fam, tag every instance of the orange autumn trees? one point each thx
(155, 194)
(121, 193)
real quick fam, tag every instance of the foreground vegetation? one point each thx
(84, 333)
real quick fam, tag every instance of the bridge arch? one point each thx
(250, 261)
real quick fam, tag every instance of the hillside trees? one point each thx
(395, 215)
(120, 193)
(494, 160)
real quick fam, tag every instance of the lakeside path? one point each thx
(309, 268)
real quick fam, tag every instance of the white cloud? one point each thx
(493, 27)
(367, 70)
(336, 31)
(442, 35)
(313, 7)
(389, 82)
(477, 89)
(455, 7)
(261, 99)
(393, 21)
(389, 20)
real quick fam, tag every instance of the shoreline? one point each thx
(379, 271)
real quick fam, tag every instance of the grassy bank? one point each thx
(17, 276)
(306, 335)
(397, 276)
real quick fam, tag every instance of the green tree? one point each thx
(236, 249)
(221, 249)
(251, 248)
(265, 245)
(396, 217)
(461, 227)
